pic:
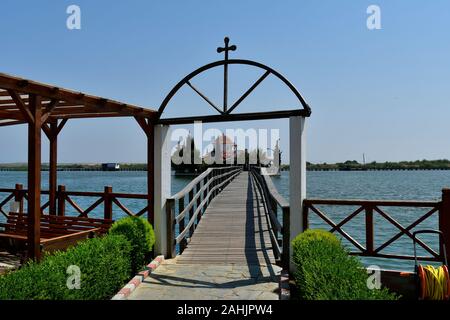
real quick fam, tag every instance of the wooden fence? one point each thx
(369, 209)
(66, 204)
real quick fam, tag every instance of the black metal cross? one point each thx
(226, 49)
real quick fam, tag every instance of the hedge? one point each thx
(141, 236)
(104, 264)
(325, 270)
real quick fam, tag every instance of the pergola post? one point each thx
(149, 131)
(297, 178)
(52, 131)
(53, 159)
(151, 172)
(34, 177)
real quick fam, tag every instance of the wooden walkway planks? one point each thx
(234, 229)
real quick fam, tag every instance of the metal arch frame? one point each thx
(226, 115)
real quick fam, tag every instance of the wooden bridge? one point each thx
(234, 229)
(225, 237)
(232, 218)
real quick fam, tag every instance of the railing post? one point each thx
(205, 193)
(170, 210)
(369, 229)
(191, 212)
(214, 183)
(305, 217)
(108, 203)
(444, 219)
(61, 201)
(199, 201)
(286, 238)
(18, 197)
(181, 224)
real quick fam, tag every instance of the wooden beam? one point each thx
(49, 108)
(4, 93)
(150, 173)
(11, 123)
(144, 124)
(50, 92)
(34, 178)
(16, 115)
(88, 116)
(21, 106)
(46, 130)
(53, 171)
(25, 99)
(61, 126)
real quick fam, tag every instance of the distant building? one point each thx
(225, 151)
(110, 166)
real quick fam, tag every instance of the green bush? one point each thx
(325, 270)
(141, 236)
(104, 266)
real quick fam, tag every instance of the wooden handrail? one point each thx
(190, 186)
(196, 212)
(199, 193)
(276, 196)
(206, 186)
(85, 193)
(272, 199)
(382, 203)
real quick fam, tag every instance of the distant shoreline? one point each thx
(420, 165)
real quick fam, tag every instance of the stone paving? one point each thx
(172, 281)
(8, 262)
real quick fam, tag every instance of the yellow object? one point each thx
(434, 282)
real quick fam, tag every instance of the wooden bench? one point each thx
(57, 233)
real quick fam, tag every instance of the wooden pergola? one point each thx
(47, 108)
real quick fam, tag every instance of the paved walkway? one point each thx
(174, 281)
(8, 262)
(230, 255)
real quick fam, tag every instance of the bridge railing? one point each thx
(185, 208)
(276, 207)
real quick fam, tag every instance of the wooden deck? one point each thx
(233, 230)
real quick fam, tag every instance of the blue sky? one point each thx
(384, 92)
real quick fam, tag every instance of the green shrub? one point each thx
(141, 236)
(325, 270)
(104, 265)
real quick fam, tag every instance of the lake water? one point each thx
(376, 185)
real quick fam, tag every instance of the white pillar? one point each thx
(297, 177)
(162, 185)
